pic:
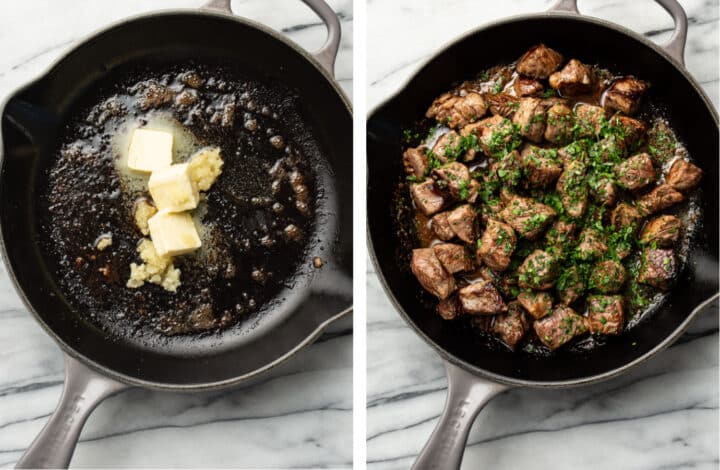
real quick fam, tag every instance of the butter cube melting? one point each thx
(150, 150)
(173, 233)
(173, 189)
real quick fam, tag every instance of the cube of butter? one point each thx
(173, 233)
(150, 150)
(173, 189)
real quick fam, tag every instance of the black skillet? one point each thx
(98, 365)
(476, 371)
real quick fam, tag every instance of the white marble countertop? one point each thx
(299, 418)
(662, 415)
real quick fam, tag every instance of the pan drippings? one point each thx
(256, 222)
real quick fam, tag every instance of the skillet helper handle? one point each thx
(327, 54)
(675, 46)
(84, 389)
(467, 395)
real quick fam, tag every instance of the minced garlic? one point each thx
(103, 242)
(155, 269)
(205, 166)
(143, 211)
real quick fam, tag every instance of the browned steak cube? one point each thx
(559, 124)
(603, 190)
(605, 314)
(660, 198)
(530, 119)
(561, 233)
(591, 244)
(608, 149)
(446, 146)
(572, 188)
(481, 298)
(502, 104)
(507, 170)
(415, 161)
(453, 257)
(631, 130)
(539, 62)
(562, 325)
(624, 94)
(496, 245)
(510, 327)
(462, 222)
(538, 271)
(537, 304)
(636, 172)
(575, 78)
(683, 175)
(528, 217)
(440, 226)
(457, 111)
(590, 120)
(657, 268)
(527, 86)
(494, 135)
(542, 166)
(625, 215)
(570, 285)
(448, 308)
(454, 177)
(661, 142)
(607, 277)
(427, 197)
(663, 231)
(431, 274)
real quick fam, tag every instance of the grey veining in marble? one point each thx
(300, 417)
(663, 415)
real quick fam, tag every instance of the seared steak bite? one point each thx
(607, 277)
(570, 285)
(539, 62)
(605, 314)
(502, 104)
(574, 79)
(527, 86)
(572, 187)
(510, 327)
(530, 119)
(528, 217)
(683, 175)
(591, 244)
(496, 245)
(426, 197)
(603, 190)
(663, 231)
(636, 172)
(660, 198)
(610, 149)
(453, 177)
(537, 304)
(441, 227)
(560, 233)
(657, 268)
(448, 308)
(507, 170)
(431, 274)
(453, 257)
(541, 166)
(624, 215)
(662, 142)
(589, 120)
(457, 111)
(415, 161)
(560, 327)
(629, 129)
(624, 94)
(446, 146)
(559, 124)
(481, 298)
(462, 222)
(495, 135)
(538, 271)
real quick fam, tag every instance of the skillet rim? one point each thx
(452, 359)
(319, 327)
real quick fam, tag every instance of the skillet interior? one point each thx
(30, 125)
(593, 42)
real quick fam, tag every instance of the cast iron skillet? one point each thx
(98, 365)
(475, 371)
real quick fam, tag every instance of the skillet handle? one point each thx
(84, 389)
(675, 46)
(327, 54)
(467, 395)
